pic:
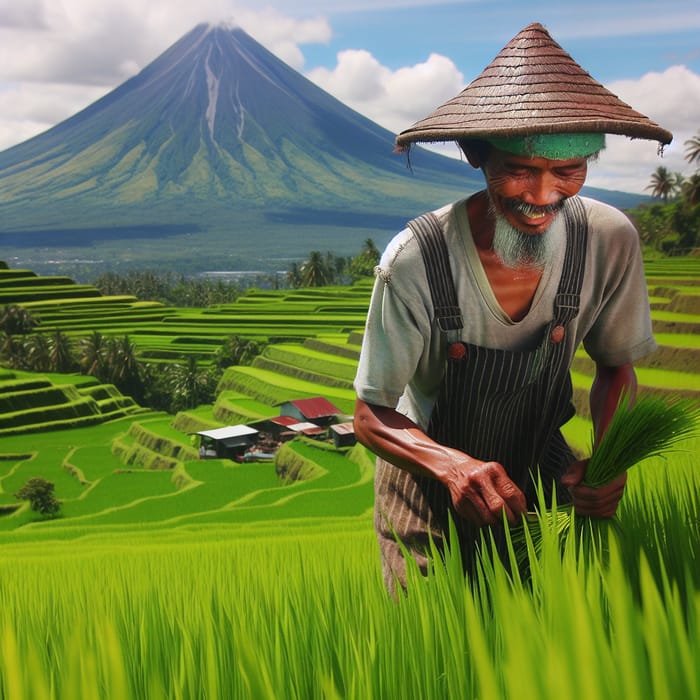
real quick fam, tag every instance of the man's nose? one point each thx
(541, 190)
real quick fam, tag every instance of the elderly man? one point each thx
(463, 382)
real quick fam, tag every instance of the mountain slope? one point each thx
(217, 147)
(218, 117)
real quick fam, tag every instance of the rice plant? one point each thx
(295, 610)
(653, 426)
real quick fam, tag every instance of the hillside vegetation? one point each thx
(169, 576)
(148, 467)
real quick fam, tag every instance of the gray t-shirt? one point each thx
(403, 353)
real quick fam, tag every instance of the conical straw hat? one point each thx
(533, 86)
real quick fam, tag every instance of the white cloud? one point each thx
(671, 99)
(393, 99)
(30, 108)
(94, 43)
(56, 58)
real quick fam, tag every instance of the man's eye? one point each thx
(573, 171)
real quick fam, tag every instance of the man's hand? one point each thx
(599, 502)
(482, 492)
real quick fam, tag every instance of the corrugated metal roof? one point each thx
(343, 428)
(305, 427)
(283, 420)
(228, 432)
(317, 407)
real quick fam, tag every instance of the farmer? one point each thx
(463, 381)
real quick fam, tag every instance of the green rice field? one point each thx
(166, 576)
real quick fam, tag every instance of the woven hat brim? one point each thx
(532, 86)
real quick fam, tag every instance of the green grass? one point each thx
(295, 608)
(221, 580)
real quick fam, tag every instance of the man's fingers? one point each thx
(574, 474)
(483, 500)
(599, 502)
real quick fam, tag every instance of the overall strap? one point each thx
(433, 247)
(567, 299)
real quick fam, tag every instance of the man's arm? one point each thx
(480, 491)
(609, 384)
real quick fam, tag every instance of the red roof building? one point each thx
(317, 410)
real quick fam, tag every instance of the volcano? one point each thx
(217, 151)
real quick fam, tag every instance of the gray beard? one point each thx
(516, 249)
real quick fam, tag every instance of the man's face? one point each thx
(529, 192)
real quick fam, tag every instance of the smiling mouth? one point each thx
(532, 211)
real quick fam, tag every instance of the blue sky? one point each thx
(393, 60)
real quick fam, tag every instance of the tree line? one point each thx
(171, 289)
(165, 386)
(320, 270)
(672, 225)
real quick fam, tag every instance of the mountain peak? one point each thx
(217, 115)
(214, 128)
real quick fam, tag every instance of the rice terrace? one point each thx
(166, 575)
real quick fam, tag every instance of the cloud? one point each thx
(28, 14)
(393, 99)
(396, 99)
(57, 58)
(284, 35)
(670, 98)
(102, 43)
(30, 108)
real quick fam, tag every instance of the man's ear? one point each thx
(474, 159)
(475, 152)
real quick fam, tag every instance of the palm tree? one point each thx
(294, 276)
(235, 350)
(92, 352)
(692, 151)
(191, 385)
(369, 248)
(37, 352)
(315, 272)
(12, 350)
(662, 183)
(15, 319)
(121, 367)
(61, 357)
(691, 188)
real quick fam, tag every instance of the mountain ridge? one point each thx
(214, 140)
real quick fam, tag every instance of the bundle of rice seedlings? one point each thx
(652, 427)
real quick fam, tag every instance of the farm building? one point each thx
(343, 434)
(317, 410)
(276, 426)
(228, 443)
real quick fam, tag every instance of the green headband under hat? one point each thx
(551, 146)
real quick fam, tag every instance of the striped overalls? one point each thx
(495, 405)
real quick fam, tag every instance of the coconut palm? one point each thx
(61, 358)
(315, 272)
(691, 189)
(15, 319)
(663, 183)
(37, 352)
(191, 385)
(294, 276)
(692, 149)
(92, 352)
(12, 350)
